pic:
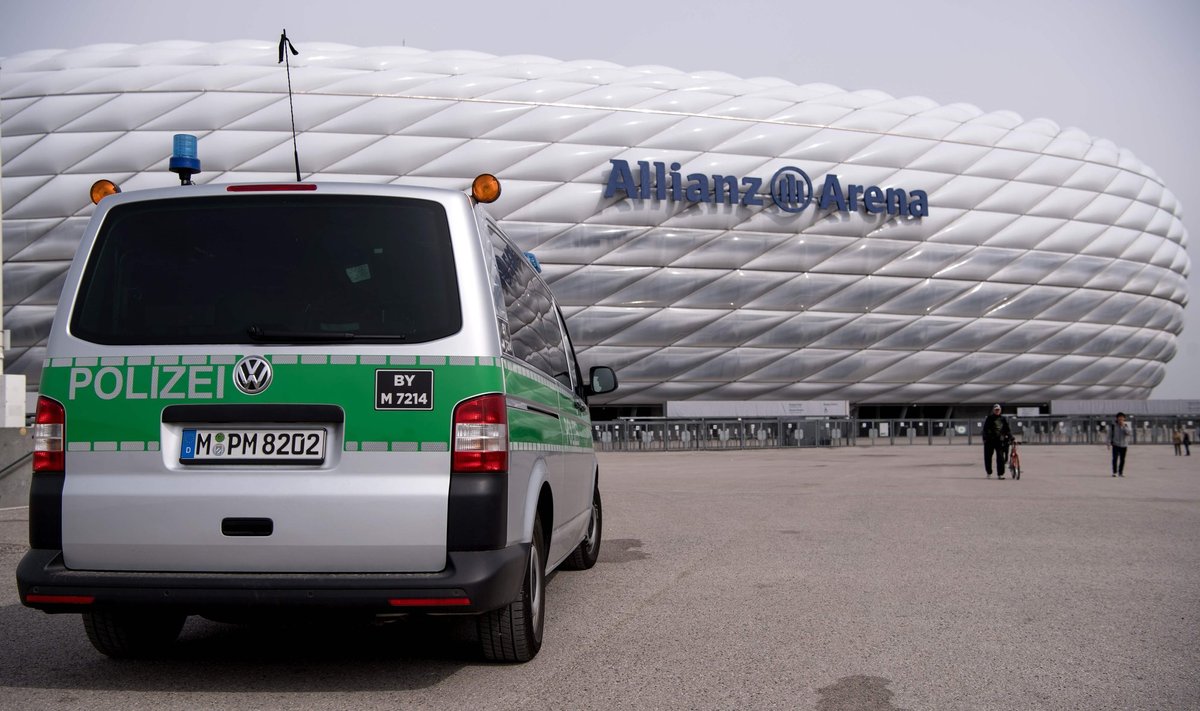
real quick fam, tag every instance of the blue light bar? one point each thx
(185, 145)
(184, 161)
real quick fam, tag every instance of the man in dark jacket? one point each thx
(1119, 438)
(996, 436)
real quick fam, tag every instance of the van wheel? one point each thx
(514, 632)
(588, 551)
(132, 634)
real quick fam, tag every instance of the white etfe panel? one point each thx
(766, 408)
(1131, 407)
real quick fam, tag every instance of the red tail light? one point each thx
(481, 435)
(49, 431)
(60, 599)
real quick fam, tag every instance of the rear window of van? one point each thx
(270, 268)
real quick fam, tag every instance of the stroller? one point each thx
(1014, 458)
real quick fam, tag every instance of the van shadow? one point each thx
(52, 652)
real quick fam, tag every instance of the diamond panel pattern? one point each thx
(1052, 264)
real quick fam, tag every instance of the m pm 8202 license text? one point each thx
(239, 445)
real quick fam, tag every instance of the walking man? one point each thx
(1118, 441)
(996, 436)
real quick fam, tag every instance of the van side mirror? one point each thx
(601, 380)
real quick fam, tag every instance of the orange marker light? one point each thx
(103, 188)
(485, 188)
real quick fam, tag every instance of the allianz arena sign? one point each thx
(904, 251)
(789, 189)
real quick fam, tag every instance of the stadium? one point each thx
(710, 237)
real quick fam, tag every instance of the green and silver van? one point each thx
(303, 398)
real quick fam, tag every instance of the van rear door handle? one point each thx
(247, 526)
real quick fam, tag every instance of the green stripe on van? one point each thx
(124, 403)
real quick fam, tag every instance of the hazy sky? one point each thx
(1122, 70)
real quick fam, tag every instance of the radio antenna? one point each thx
(285, 45)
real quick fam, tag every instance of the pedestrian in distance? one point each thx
(1187, 443)
(1177, 440)
(1118, 441)
(996, 436)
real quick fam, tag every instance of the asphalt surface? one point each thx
(849, 579)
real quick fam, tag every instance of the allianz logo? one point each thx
(789, 189)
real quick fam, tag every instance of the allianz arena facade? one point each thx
(955, 256)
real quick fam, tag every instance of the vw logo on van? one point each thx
(252, 375)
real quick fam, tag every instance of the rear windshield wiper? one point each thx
(258, 333)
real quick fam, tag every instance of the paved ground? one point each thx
(884, 578)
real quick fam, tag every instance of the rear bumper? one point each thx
(472, 582)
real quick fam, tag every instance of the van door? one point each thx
(258, 383)
(577, 436)
(541, 386)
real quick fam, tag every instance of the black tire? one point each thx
(588, 551)
(514, 632)
(130, 634)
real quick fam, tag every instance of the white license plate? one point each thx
(212, 445)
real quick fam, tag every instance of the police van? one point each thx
(302, 398)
